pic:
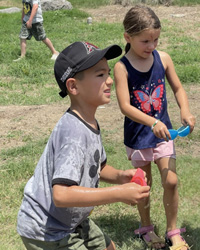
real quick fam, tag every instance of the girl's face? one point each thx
(144, 43)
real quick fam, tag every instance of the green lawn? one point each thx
(31, 82)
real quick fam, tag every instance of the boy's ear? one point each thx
(71, 85)
(127, 37)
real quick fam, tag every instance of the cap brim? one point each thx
(110, 52)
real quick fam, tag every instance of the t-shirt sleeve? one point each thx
(103, 158)
(68, 165)
(35, 2)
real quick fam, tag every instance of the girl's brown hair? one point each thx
(138, 19)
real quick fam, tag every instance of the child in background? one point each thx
(61, 194)
(140, 87)
(32, 25)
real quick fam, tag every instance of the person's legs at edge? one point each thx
(49, 44)
(23, 50)
(167, 168)
(144, 209)
(23, 47)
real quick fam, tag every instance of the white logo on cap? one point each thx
(66, 74)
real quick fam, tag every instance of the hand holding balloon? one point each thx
(139, 178)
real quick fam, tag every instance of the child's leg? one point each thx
(144, 206)
(40, 35)
(142, 159)
(49, 44)
(23, 50)
(111, 246)
(87, 236)
(144, 210)
(23, 47)
(167, 168)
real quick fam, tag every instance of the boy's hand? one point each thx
(29, 24)
(127, 175)
(132, 193)
(139, 177)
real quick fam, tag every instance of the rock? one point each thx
(10, 10)
(46, 5)
(55, 5)
(178, 15)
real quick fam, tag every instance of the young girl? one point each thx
(140, 87)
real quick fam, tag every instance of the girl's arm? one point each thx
(181, 97)
(122, 91)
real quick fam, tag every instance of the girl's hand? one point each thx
(160, 130)
(188, 119)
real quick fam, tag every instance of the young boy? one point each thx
(32, 25)
(61, 194)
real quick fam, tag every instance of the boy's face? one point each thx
(95, 87)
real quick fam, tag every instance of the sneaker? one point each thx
(18, 59)
(54, 56)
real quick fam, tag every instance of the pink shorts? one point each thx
(140, 158)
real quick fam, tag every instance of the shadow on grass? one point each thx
(192, 236)
(120, 228)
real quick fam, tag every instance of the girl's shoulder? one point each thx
(119, 66)
(163, 55)
(165, 58)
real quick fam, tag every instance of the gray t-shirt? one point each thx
(73, 155)
(27, 5)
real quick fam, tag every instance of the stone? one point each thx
(55, 5)
(10, 10)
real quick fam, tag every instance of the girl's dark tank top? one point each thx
(148, 94)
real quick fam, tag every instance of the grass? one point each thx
(18, 80)
(186, 2)
(31, 82)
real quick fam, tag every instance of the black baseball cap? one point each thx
(77, 57)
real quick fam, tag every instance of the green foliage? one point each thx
(89, 3)
(185, 2)
(183, 50)
(31, 81)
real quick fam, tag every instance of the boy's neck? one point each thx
(88, 115)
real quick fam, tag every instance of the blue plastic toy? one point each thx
(182, 132)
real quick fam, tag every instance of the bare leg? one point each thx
(167, 168)
(23, 50)
(144, 209)
(144, 206)
(50, 45)
(23, 47)
(111, 246)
